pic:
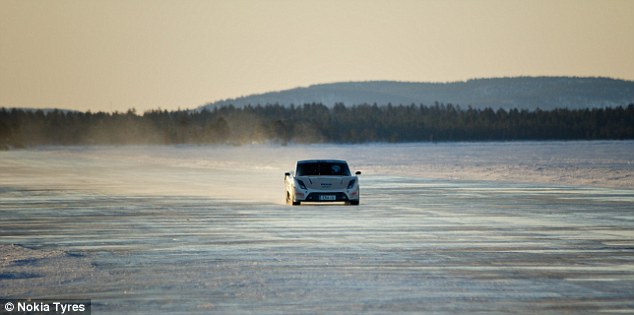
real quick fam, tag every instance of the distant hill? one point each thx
(519, 92)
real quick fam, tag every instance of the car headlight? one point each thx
(351, 184)
(300, 183)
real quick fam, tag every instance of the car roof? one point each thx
(321, 161)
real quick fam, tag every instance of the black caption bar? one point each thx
(44, 306)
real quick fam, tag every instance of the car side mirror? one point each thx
(357, 173)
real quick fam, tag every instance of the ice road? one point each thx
(496, 228)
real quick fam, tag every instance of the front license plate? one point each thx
(327, 197)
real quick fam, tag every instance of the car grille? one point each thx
(317, 196)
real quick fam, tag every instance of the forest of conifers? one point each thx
(311, 123)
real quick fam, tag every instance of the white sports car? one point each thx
(321, 181)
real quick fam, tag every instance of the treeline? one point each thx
(311, 123)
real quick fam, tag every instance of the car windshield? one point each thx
(323, 168)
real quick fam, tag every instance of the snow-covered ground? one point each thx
(253, 172)
(519, 227)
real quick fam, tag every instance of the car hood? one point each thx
(326, 182)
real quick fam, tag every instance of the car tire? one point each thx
(290, 201)
(353, 202)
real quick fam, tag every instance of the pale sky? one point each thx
(112, 55)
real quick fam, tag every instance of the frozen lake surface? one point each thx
(497, 228)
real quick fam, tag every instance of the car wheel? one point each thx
(290, 201)
(353, 202)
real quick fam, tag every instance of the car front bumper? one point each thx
(327, 196)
